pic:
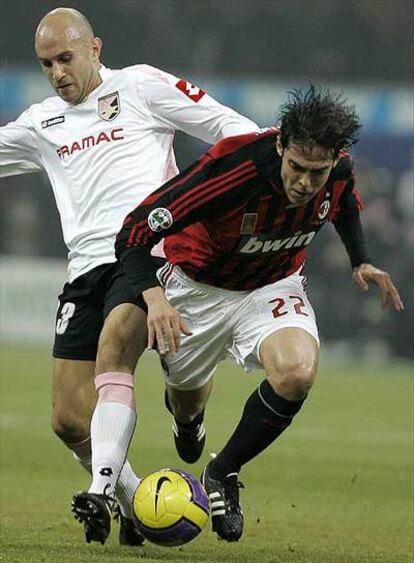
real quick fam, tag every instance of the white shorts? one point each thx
(228, 323)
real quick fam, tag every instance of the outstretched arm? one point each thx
(365, 273)
(348, 225)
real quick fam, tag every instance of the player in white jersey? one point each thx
(106, 142)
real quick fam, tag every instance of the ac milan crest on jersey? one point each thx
(324, 208)
(193, 92)
(109, 106)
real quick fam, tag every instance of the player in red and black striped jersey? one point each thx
(228, 216)
(237, 224)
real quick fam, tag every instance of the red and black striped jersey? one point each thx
(227, 221)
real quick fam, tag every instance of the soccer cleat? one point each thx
(189, 442)
(226, 515)
(94, 512)
(128, 533)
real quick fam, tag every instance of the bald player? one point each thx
(105, 142)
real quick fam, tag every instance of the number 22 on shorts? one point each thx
(68, 310)
(283, 306)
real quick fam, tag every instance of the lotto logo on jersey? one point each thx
(193, 92)
(54, 121)
(109, 106)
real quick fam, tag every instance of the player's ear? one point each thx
(336, 158)
(279, 147)
(97, 46)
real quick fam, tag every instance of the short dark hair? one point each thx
(318, 117)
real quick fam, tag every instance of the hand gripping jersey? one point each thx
(106, 154)
(228, 222)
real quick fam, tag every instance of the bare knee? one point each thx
(184, 410)
(186, 405)
(293, 377)
(74, 399)
(70, 427)
(290, 358)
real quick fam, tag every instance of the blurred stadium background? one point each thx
(247, 53)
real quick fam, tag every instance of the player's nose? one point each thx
(305, 182)
(57, 73)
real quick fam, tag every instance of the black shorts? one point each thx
(84, 305)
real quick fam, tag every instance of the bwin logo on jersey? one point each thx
(160, 219)
(264, 244)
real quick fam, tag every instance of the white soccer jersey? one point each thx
(106, 154)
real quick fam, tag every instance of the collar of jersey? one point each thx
(104, 74)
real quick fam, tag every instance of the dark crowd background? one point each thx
(232, 45)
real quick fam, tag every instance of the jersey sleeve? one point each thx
(19, 152)
(180, 105)
(347, 222)
(206, 188)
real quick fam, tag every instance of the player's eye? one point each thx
(295, 166)
(65, 59)
(46, 64)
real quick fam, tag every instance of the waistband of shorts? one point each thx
(173, 270)
(179, 274)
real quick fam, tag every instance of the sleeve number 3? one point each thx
(282, 307)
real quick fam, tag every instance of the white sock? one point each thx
(125, 489)
(112, 428)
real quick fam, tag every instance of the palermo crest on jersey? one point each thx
(160, 219)
(193, 92)
(109, 106)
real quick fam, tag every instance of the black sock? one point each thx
(198, 419)
(265, 416)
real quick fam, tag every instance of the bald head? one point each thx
(64, 20)
(69, 53)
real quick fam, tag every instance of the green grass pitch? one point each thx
(336, 488)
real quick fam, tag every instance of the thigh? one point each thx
(205, 313)
(124, 333)
(122, 340)
(73, 397)
(267, 310)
